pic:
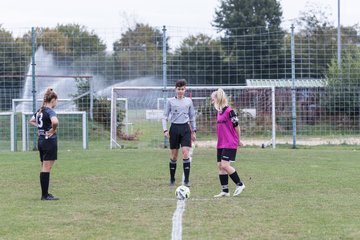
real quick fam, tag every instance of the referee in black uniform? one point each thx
(46, 121)
(182, 130)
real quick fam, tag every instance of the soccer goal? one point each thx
(254, 105)
(24, 105)
(7, 123)
(72, 131)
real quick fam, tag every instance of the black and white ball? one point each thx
(182, 192)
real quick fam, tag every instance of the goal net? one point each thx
(6, 128)
(72, 133)
(137, 123)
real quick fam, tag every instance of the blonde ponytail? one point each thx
(221, 100)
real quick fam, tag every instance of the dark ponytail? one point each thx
(48, 96)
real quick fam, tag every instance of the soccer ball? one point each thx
(182, 192)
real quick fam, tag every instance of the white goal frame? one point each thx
(14, 110)
(114, 97)
(12, 124)
(126, 116)
(25, 128)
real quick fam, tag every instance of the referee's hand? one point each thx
(193, 136)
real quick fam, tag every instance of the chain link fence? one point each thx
(317, 98)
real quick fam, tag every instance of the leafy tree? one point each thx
(15, 56)
(67, 43)
(252, 35)
(343, 89)
(139, 52)
(81, 41)
(316, 42)
(200, 60)
(101, 106)
(237, 17)
(51, 40)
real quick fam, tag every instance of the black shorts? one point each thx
(47, 148)
(226, 154)
(180, 134)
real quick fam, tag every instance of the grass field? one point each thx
(310, 193)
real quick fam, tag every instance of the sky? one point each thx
(107, 15)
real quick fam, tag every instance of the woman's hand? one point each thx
(51, 132)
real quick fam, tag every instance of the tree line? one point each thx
(252, 45)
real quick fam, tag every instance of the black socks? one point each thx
(44, 183)
(186, 166)
(236, 179)
(224, 180)
(172, 167)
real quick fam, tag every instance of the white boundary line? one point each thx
(192, 199)
(176, 233)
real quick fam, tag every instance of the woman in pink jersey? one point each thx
(228, 140)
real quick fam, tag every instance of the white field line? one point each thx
(172, 199)
(176, 233)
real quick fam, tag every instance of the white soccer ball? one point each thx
(182, 192)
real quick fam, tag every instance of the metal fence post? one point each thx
(293, 87)
(164, 68)
(33, 64)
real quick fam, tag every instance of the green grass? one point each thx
(308, 193)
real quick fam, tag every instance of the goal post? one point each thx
(20, 105)
(7, 123)
(113, 116)
(69, 133)
(144, 109)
